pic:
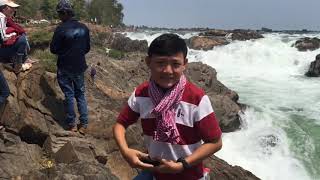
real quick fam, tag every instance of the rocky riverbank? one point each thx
(36, 146)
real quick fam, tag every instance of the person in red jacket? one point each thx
(14, 44)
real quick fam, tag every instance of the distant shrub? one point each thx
(116, 54)
(47, 59)
(101, 39)
(40, 39)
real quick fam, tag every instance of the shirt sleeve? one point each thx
(10, 30)
(3, 27)
(17, 28)
(208, 128)
(127, 116)
(130, 113)
(56, 42)
(206, 123)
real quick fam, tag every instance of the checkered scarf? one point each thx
(165, 104)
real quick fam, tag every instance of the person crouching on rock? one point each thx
(71, 42)
(14, 44)
(178, 122)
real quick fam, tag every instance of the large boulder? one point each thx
(123, 43)
(223, 99)
(219, 170)
(34, 100)
(75, 171)
(209, 39)
(307, 43)
(242, 35)
(34, 113)
(314, 69)
(214, 32)
(16, 156)
(205, 42)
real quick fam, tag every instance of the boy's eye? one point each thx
(176, 64)
(160, 63)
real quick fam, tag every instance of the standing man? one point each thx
(71, 41)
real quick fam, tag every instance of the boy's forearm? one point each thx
(204, 151)
(119, 132)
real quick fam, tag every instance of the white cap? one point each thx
(8, 3)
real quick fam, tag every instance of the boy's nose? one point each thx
(168, 69)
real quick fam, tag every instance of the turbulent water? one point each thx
(280, 133)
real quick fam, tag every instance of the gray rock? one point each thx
(223, 99)
(79, 170)
(122, 43)
(243, 34)
(17, 157)
(307, 43)
(214, 32)
(221, 171)
(314, 69)
(205, 42)
(74, 151)
(120, 167)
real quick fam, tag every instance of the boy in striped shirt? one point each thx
(178, 122)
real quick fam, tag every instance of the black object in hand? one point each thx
(148, 160)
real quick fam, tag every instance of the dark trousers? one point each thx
(72, 85)
(18, 49)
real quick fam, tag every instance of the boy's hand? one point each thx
(169, 166)
(133, 157)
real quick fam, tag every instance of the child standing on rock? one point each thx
(178, 122)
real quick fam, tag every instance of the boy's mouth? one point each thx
(166, 78)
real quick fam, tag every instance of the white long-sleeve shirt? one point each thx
(3, 27)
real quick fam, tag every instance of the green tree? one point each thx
(48, 9)
(29, 8)
(80, 9)
(108, 12)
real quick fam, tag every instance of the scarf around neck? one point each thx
(165, 104)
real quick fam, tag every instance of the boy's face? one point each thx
(166, 70)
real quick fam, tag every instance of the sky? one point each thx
(224, 14)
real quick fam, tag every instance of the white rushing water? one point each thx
(280, 133)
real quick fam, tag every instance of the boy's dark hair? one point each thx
(167, 45)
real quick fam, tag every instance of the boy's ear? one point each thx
(186, 61)
(147, 60)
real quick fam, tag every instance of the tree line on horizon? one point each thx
(107, 12)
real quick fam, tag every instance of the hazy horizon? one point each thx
(228, 14)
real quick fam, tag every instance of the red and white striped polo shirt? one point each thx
(195, 120)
